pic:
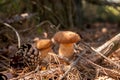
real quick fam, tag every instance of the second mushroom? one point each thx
(44, 46)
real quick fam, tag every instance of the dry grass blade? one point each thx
(4, 66)
(39, 73)
(7, 59)
(55, 57)
(18, 36)
(72, 65)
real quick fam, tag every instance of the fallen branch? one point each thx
(105, 50)
(110, 72)
(108, 48)
(110, 61)
(116, 44)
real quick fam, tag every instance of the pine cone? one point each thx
(27, 55)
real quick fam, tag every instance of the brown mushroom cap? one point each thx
(66, 37)
(43, 43)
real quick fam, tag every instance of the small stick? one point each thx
(4, 57)
(72, 65)
(18, 36)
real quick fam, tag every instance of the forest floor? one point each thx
(94, 34)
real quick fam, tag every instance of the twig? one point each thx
(23, 75)
(32, 72)
(57, 56)
(56, 28)
(106, 58)
(18, 36)
(7, 59)
(41, 73)
(112, 73)
(99, 53)
(44, 22)
(72, 65)
(115, 40)
(4, 66)
(107, 71)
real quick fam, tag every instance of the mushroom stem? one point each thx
(44, 52)
(66, 50)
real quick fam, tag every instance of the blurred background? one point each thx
(95, 20)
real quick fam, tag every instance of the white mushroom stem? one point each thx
(66, 50)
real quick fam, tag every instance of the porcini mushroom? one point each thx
(66, 39)
(44, 46)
